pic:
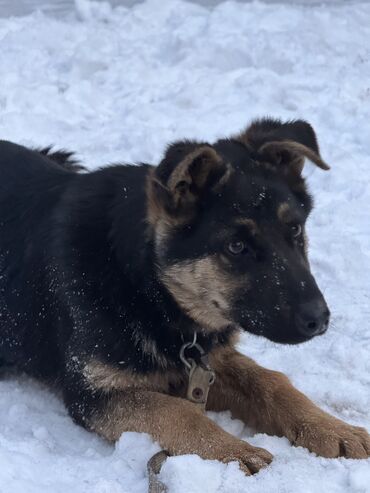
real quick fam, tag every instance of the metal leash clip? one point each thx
(201, 375)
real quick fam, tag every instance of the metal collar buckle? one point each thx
(201, 375)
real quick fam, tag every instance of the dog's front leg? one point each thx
(177, 424)
(267, 401)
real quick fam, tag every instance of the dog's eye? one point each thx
(236, 247)
(296, 230)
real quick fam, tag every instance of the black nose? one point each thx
(312, 318)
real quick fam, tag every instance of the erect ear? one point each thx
(284, 145)
(187, 171)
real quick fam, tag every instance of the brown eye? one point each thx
(296, 230)
(236, 247)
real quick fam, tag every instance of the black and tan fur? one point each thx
(105, 274)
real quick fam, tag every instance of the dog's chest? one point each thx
(102, 376)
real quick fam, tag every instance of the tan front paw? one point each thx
(330, 437)
(251, 459)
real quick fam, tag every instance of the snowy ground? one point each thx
(118, 84)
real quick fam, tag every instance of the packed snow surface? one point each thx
(118, 84)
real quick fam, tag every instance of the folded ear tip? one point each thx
(324, 166)
(317, 161)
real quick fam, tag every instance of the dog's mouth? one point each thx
(279, 332)
(294, 340)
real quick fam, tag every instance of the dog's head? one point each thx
(228, 222)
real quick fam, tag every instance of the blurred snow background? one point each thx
(24, 7)
(118, 82)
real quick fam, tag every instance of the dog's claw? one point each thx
(250, 459)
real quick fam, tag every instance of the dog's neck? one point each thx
(175, 327)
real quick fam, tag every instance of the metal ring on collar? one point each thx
(190, 345)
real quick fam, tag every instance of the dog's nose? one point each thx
(313, 317)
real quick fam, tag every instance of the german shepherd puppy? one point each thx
(104, 275)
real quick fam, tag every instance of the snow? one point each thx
(117, 83)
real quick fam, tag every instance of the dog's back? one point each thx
(30, 179)
(31, 184)
(56, 252)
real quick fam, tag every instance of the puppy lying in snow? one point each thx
(105, 275)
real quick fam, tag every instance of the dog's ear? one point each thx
(284, 145)
(187, 171)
